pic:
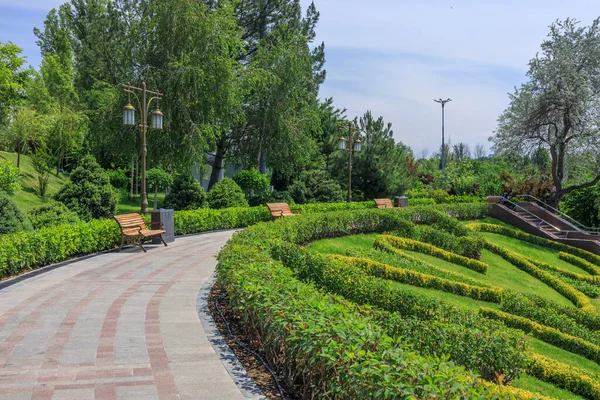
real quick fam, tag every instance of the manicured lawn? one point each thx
(564, 356)
(500, 273)
(533, 384)
(27, 197)
(549, 256)
(127, 205)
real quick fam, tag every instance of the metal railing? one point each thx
(541, 220)
(583, 228)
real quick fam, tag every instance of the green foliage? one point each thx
(576, 297)
(383, 242)
(564, 376)
(13, 77)
(583, 205)
(514, 233)
(158, 177)
(467, 246)
(51, 214)
(201, 220)
(118, 178)
(89, 192)
(311, 208)
(438, 195)
(250, 180)
(226, 194)
(11, 218)
(580, 262)
(547, 334)
(39, 161)
(315, 187)
(401, 275)
(185, 194)
(27, 128)
(9, 178)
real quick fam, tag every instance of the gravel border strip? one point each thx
(237, 372)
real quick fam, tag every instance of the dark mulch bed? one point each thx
(253, 366)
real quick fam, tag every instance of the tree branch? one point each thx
(581, 186)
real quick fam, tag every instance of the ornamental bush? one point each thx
(186, 194)
(315, 187)
(226, 194)
(89, 193)
(9, 177)
(51, 214)
(564, 376)
(11, 218)
(252, 181)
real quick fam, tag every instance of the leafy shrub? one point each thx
(420, 202)
(158, 178)
(9, 177)
(41, 165)
(591, 279)
(226, 194)
(51, 214)
(11, 218)
(578, 298)
(314, 187)
(587, 318)
(467, 246)
(89, 192)
(28, 250)
(547, 334)
(579, 262)
(250, 180)
(438, 195)
(564, 376)
(328, 207)
(466, 211)
(202, 220)
(547, 314)
(414, 245)
(186, 194)
(355, 284)
(118, 178)
(401, 275)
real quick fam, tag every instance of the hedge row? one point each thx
(414, 245)
(206, 219)
(578, 298)
(545, 333)
(549, 314)
(459, 328)
(579, 262)
(321, 344)
(23, 251)
(467, 246)
(328, 207)
(591, 279)
(401, 275)
(564, 376)
(397, 258)
(517, 234)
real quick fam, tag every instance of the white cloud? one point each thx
(38, 5)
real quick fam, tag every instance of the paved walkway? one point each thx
(116, 326)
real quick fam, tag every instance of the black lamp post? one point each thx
(352, 147)
(443, 103)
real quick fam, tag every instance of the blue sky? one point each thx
(394, 57)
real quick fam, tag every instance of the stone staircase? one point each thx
(541, 224)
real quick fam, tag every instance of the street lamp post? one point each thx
(156, 123)
(443, 103)
(352, 147)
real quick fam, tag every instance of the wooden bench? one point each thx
(134, 229)
(383, 203)
(279, 210)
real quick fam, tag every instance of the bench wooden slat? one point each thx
(383, 203)
(134, 227)
(280, 210)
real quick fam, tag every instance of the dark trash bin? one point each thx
(400, 201)
(167, 217)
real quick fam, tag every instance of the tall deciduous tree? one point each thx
(27, 129)
(13, 78)
(559, 107)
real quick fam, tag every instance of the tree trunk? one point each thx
(262, 162)
(137, 176)
(217, 166)
(131, 186)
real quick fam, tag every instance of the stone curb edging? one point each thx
(237, 372)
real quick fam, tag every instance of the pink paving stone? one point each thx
(172, 277)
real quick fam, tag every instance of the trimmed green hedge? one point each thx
(545, 333)
(517, 234)
(414, 245)
(576, 297)
(402, 275)
(564, 376)
(579, 262)
(205, 219)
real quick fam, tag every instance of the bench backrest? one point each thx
(130, 222)
(280, 209)
(383, 203)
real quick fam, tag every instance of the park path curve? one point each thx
(115, 326)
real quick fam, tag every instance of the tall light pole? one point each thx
(156, 123)
(352, 147)
(443, 103)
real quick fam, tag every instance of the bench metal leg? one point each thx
(122, 242)
(163, 240)
(140, 243)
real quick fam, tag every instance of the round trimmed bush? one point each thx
(315, 187)
(250, 180)
(186, 194)
(226, 194)
(89, 193)
(11, 218)
(51, 214)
